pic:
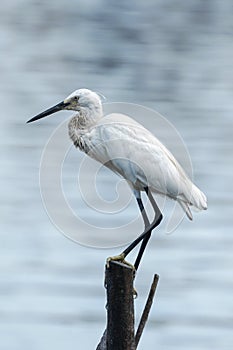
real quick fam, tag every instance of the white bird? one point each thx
(132, 151)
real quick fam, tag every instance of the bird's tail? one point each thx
(197, 200)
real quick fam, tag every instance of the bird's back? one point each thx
(132, 151)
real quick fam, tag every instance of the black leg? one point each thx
(149, 227)
(146, 238)
(143, 212)
(142, 249)
(153, 202)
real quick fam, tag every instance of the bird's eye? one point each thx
(76, 98)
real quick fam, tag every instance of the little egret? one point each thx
(139, 157)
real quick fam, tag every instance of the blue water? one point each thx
(172, 56)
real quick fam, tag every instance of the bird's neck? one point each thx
(81, 123)
(88, 117)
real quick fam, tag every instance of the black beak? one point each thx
(49, 111)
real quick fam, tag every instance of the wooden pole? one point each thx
(119, 334)
(120, 308)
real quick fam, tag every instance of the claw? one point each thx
(120, 258)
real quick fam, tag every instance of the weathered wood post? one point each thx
(120, 308)
(120, 334)
(120, 313)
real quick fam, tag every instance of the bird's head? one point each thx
(80, 100)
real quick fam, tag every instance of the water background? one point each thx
(172, 56)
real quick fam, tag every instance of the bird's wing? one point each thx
(130, 150)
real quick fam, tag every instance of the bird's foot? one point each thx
(120, 258)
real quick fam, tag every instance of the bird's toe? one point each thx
(120, 258)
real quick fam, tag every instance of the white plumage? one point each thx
(128, 149)
(132, 151)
